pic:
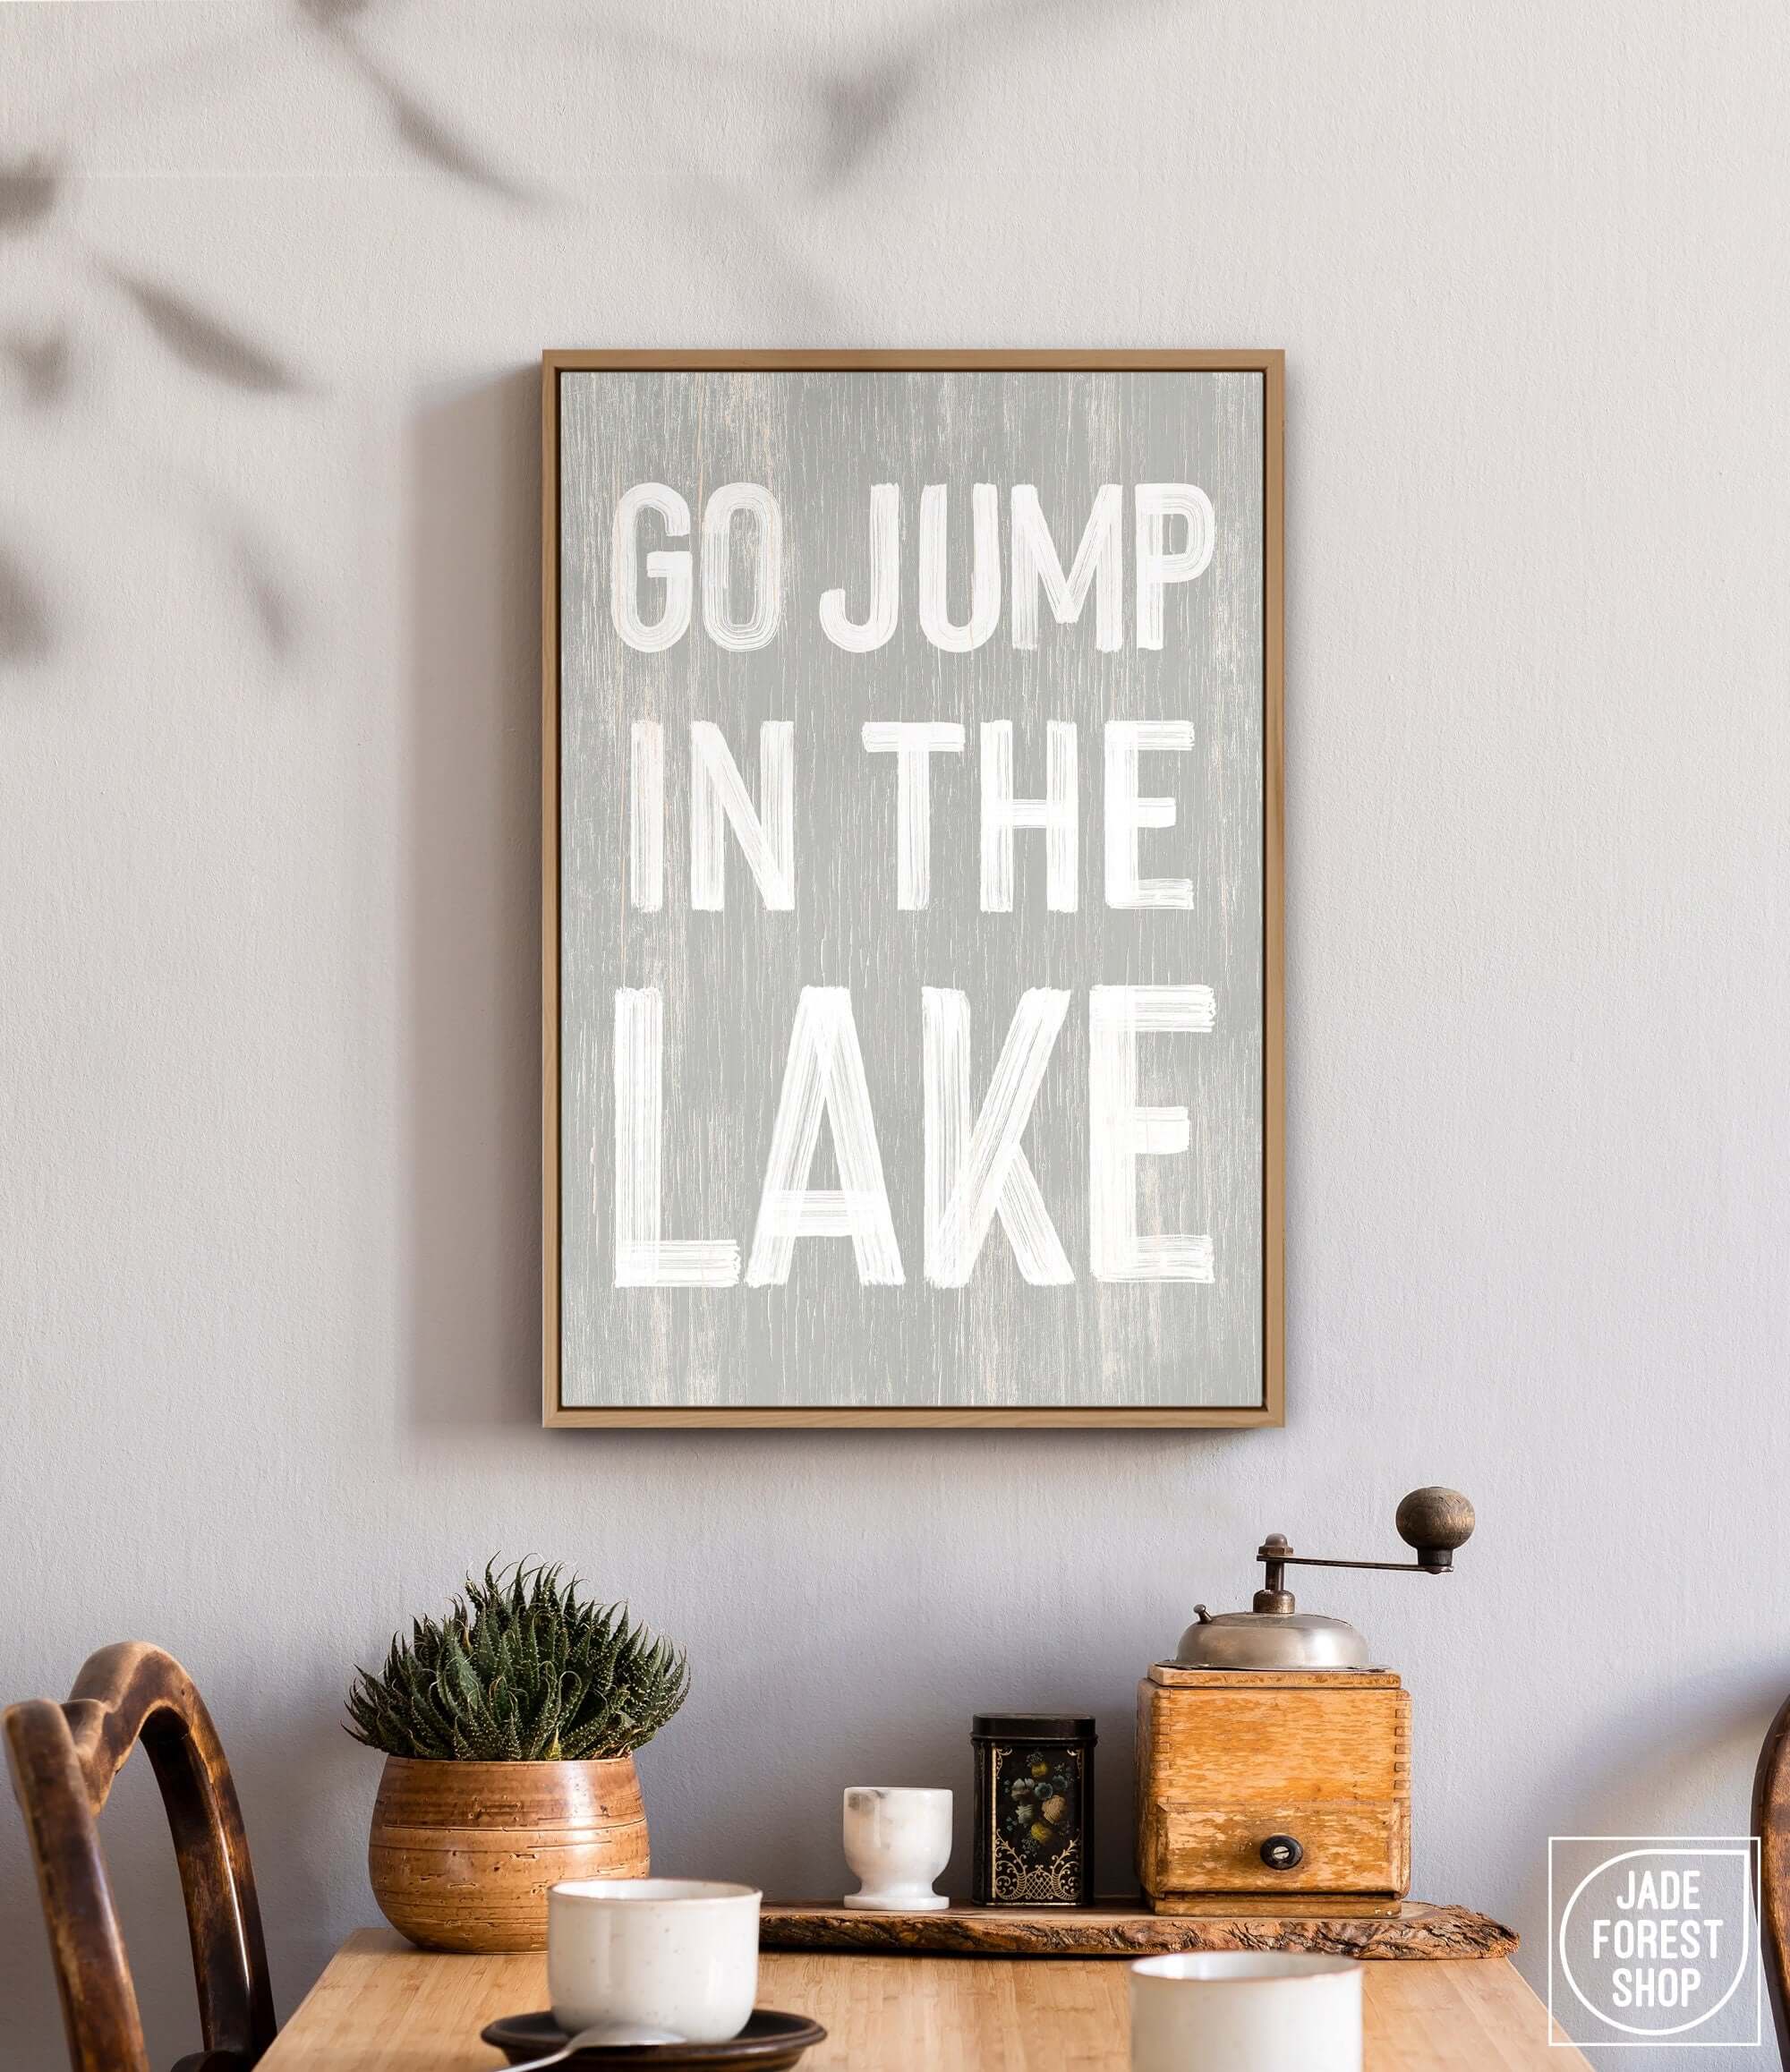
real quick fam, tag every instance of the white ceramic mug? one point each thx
(898, 1839)
(659, 1953)
(1246, 2011)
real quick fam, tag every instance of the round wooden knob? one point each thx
(1434, 1519)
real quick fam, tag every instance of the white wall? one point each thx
(267, 915)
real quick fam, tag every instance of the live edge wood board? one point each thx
(1411, 1931)
(911, 887)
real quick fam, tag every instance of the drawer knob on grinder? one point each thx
(1282, 1853)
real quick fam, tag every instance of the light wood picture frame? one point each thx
(711, 775)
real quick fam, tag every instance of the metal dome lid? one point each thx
(1270, 1641)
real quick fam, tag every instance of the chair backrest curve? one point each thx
(64, 1759)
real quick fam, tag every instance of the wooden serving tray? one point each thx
(1408, 1929)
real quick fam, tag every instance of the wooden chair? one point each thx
(1771, 1824)
(64, 1759)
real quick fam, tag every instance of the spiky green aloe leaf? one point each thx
(522, 1668)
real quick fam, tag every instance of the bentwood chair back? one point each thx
(64, 1759)
(1771, 1824)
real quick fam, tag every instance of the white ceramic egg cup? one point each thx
(898, 1838)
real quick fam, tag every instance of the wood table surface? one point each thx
(383, 2006)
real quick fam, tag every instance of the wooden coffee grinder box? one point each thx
(1274, 1761)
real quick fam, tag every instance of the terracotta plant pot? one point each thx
(462, 1854)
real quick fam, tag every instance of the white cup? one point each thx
(898, 1839)
(680, 1954)
(1246, 2011)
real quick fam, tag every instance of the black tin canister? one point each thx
(1034, 1809)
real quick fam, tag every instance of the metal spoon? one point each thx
(605, 2035)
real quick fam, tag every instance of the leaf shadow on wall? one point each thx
(41, 363)
(473, 908)
(37, 195)
(425, 135)
(40, 193)
(205, 342)
(25, 628)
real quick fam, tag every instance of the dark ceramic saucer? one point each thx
(768, 2042)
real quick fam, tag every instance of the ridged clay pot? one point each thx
(462, 1854)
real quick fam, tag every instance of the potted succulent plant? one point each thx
(509, 1729)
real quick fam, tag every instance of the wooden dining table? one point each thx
(383, 2006)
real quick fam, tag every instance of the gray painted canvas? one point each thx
(1066, 1245)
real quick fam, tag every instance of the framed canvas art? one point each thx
(911, 889)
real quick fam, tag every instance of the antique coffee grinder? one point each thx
(1274, 1761)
